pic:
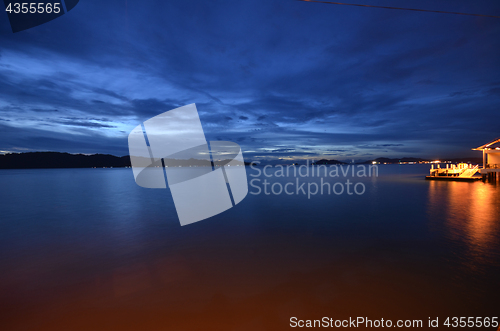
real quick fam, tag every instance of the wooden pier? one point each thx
(462, 172)
(490, 174)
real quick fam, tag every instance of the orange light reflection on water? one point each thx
(470, 213)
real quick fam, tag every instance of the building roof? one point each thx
(487, 146)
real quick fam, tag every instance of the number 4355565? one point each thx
(471, 322)
(33, 8)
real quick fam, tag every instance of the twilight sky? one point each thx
(283, 78)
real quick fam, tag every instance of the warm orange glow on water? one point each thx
(484, 214)
(471, 212)
(248, 288)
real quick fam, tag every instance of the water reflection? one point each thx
(469, 214)
(90, 250)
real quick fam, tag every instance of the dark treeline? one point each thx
(44, 160)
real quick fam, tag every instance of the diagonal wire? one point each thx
(412, 9)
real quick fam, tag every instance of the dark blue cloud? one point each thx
(282, 78)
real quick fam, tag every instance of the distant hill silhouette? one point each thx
(383, 160)
(324, 161)
(404, 159)
(44, 160)
(478, 160)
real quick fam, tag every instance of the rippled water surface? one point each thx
(87, 249)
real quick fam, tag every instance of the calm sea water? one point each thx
(87, 249)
